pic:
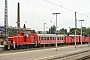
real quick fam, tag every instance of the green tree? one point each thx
(72, 31)
(33, 31)
(87, 31)
(11, 33)
(39, 32)
(63, 31)
(47, 32)
(52, 30)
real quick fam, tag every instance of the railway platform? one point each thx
(45, 54)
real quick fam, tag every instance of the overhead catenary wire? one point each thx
(34, 14)
(41, 6)
(65, 8)
(50, 10)
(59, 6)
(81, 4)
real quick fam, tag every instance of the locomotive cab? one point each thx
(24, 34)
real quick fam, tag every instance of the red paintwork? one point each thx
(35, 38)
(68, 39)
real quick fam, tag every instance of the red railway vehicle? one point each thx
(68, 39)
(71, 39)
(84, 39)
(23, 40)
(48, 39)
(77, 39)
(27, 40)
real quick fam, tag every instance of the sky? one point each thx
(34, 13)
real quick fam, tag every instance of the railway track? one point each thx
(84, 58)
(76, 56)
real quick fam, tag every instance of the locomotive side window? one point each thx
(50, 38)
(47, 38)
(53, 38)
(41, 38)
(23, 34)
(57, 38)
(34, 37)
(60, 38)
(44, 38)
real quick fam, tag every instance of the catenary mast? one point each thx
(75, 28)
(6, 20)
